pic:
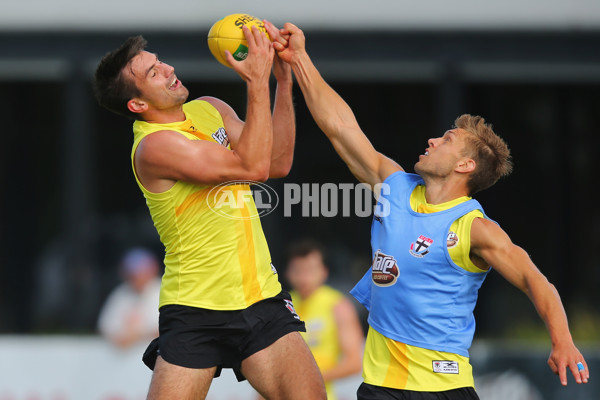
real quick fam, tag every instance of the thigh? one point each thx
(170, 381)
(285, 370)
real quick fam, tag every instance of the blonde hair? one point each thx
(488, 150)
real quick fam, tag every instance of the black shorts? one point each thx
(371, 392)
(200, 338)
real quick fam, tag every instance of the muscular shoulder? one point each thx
(160, 146)
(233, 124)
(487, 235)
(343, 306)
(156, 141)
(223, 108)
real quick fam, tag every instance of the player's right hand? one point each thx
(294, 37)
(257, 66)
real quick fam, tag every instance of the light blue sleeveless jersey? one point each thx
(414, 292)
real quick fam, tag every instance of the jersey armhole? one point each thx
(464, 225)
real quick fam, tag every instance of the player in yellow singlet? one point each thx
(333, 331)
(419, 294)
(221, 303)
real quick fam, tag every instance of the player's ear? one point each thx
(325, 271)
(465, 165)
(137, 105)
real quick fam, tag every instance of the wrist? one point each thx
(560, 338)
(258, 92)
(258, 84)
(285, 83)
(299, 57)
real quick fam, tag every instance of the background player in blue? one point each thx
(411, 242)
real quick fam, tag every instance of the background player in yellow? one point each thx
(221, 304)
(333, 331)
(466, 159)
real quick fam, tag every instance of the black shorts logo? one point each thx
(290, 306)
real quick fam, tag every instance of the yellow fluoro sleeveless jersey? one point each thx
(321, 329)
(400, 366)
(214, 260)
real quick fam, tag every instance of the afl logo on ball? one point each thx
(384, 270)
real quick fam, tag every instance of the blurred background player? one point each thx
(130, 312)
(333, 332)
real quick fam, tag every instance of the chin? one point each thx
(185, 93)
(417, 168)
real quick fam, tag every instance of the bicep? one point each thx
(170, 155)
(494, 246)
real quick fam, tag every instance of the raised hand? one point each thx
(281, 70)
(288, 42)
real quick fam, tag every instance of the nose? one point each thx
(168, 70)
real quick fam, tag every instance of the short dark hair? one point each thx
(304, 247)
(111, 88)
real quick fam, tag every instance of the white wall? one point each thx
(89, 368)
(329, 14)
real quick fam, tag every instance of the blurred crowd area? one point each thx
(70, 207)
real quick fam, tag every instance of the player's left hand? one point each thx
(568, 356)
(281, 70)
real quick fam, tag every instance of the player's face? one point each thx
(307, 273)
(157, 82)
(442, 155)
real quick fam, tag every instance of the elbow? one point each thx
(259, 173)
(332, 130)
(263, 177)
(553, 289)
(355, 364)
(357, 367)
(280, 171)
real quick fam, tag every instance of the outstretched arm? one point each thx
(331, 113)
(492, 244)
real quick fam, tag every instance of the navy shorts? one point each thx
(200, 338)
(372, 392)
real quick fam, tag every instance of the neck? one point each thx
(306, 294)
(442, 191)
(164, 116)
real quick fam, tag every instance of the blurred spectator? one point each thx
(333, 331)
(130, 313)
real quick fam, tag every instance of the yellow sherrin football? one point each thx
(227, 34)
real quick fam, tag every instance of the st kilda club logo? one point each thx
(384, 271)
(420, 247)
